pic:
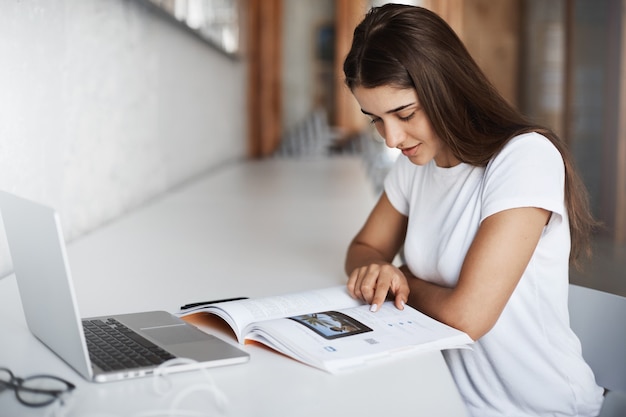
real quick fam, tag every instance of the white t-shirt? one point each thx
(529, 363)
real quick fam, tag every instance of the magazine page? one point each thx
(241, 314)
(345, 339)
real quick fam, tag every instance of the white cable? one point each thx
(175, 410)
(220, 397)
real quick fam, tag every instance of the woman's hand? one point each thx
(372, 283)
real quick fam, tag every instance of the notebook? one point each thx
(40, 264)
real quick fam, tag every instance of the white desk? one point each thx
(251, 229)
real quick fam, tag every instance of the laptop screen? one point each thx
(40, 265)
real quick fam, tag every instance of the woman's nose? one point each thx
(394, 135)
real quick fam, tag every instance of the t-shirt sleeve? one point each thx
(528, 172)
(396, 186)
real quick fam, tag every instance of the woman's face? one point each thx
(402, 122)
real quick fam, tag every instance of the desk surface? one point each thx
(250, 229)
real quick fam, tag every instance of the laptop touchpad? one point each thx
(171, 335)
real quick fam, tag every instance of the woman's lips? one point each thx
(410, 151)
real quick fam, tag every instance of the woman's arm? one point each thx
(371, 274)
(491, 270)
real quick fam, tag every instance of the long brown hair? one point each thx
(411, 47)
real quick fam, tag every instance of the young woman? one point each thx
(486, 207)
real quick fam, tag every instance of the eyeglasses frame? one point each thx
(16, 384)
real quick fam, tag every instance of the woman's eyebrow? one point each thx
(397, 109)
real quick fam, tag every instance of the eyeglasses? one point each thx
(36, 390)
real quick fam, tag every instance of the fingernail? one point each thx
(373, 308)
(402, 303)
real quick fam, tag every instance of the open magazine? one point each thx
(330, 330)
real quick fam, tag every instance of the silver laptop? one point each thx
(43, 277)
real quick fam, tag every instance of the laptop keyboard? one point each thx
(113, 346)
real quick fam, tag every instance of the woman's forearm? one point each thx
(442, 304)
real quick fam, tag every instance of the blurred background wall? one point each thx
(104, 105)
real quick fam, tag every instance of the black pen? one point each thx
(192, 305)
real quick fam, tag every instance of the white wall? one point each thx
(103, 105)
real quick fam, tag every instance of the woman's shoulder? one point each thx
(530, 141)
(529, 147)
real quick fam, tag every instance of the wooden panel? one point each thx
(491, 32)
(620, 212)
(264, 79)
(253, 80)
(348, 118)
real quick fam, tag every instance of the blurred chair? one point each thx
(599, 320)
(311, 137)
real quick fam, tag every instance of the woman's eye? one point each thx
(407, 118)
(375, 120)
